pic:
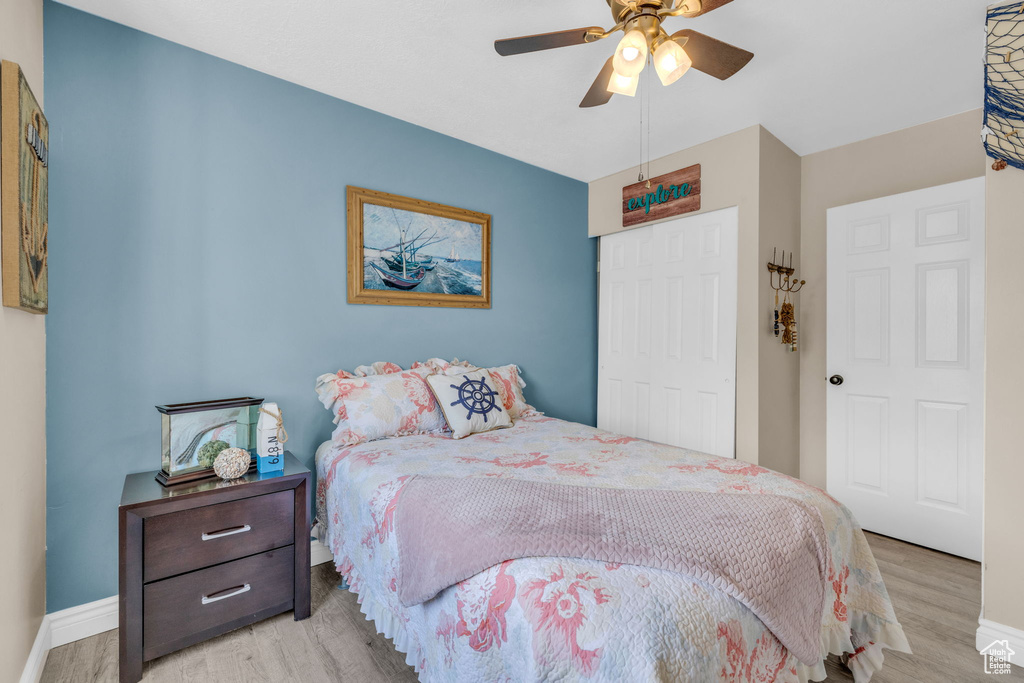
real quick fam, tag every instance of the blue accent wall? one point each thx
(197, 251)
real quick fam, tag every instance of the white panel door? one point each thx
(906, 297)
(667, 345)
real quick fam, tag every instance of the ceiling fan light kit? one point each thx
(631, 54)
(641, 23)
(623, 85)
(671, 62)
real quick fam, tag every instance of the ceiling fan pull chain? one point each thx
(640, 176)
(647, 97)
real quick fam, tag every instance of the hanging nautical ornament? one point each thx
(787, 318)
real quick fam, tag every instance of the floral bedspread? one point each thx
(563, 619)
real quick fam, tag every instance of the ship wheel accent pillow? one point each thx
(470, 402)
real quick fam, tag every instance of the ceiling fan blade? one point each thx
(547, 41)
(712, 56)
(598, 93)
(707, 6)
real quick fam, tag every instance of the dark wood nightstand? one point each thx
(197, 560)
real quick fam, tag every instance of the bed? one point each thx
(565, 619)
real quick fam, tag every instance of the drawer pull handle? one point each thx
(226, 532)
(226, 593)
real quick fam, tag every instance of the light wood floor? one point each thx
(937, 599)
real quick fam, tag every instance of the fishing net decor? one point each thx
(1004, 85)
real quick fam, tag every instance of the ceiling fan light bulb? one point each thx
(623, 85)
(671, 62)
(631, 54)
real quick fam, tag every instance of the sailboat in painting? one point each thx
(453, 256)
(402, 271)
(404, 280)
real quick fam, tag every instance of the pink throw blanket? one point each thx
(767, 551)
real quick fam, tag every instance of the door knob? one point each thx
(836, 380)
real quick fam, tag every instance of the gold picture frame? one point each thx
(411, 252)
(24, 161)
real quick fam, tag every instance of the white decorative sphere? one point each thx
(232, 463)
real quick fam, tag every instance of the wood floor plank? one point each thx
(182, 666)
(936, 597)
(235, 657)
(287, 647)
(382, 649)
(340, 647)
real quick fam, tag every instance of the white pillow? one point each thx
(470, 402)
(509, 383)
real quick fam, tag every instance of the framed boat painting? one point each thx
(410, 252)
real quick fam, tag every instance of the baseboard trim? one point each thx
(990, 631)
(36, 661)
(319, 553)
(93, 618)
(75, 623)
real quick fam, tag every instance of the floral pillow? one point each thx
(470, 401)
(380, 406)
(379, 368)
(510, 388)
(331, 389)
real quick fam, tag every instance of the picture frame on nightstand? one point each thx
(193, 434)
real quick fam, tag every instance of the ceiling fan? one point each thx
(640, 21)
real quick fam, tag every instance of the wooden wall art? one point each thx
(410, 252)
(667, 195)
(24, 159)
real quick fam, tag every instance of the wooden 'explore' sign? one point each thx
(669, 195)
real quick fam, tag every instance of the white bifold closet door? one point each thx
(667, 345)
(906, 325)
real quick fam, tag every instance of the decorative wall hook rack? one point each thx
(781, 278)
(783, 274)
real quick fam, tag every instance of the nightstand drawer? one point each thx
(181, 610)
(184, 541)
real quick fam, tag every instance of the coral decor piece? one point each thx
(210, 450)
(232, 463)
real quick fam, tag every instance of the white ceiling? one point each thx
(825, 72)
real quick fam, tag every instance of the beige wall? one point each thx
(22, 409)
(1004, 402)
(749, 169)
(943, 151)
(779, 368)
